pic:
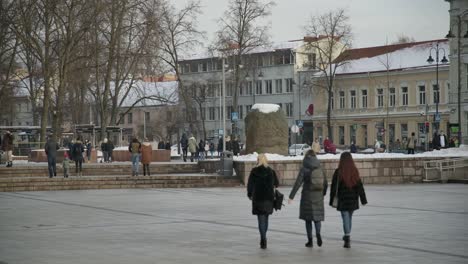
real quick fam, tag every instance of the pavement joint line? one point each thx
(417, 209)
(336, 239)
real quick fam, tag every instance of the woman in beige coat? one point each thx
(316, 146)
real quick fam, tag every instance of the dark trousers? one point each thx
(262, 225)
(410, 150)
(308, 224)
(78, 164)
(52, 165)
(184, 154)
(146, 169)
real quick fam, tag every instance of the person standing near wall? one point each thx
(411, 143)
(184, 146)
(7, 146)
(77, 155)
(135, 150)
(146, 156)
(51, 148)
(192, 147)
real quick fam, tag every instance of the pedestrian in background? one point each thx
(235, 146)
(7, 146)
(66, 164)
(260, 189)
(316, 146)
(192, 147)
(105, 149)
(184, 146)
(314, 188)
(88, 150)
(201, 150)
(146, 156)
(348, 187)
(212, 149)
(353, 148)
(220, 147)
(51, 148)
(135, 150)
(111, 150)
(77, 154)
(411, 143)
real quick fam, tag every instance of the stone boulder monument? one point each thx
(266, 130)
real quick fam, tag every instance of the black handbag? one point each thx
(278, 201)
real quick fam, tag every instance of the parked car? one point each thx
(298, 149)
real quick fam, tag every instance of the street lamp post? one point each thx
(430, 60)
(224, 106)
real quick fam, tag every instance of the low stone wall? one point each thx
(39, 155)
(372, 171)
(159, 155)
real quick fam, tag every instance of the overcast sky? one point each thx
(372, 21)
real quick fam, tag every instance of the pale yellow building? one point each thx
(385, 93)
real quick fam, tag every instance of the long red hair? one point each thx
(348, 172)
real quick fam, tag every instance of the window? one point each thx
(436, 95)
(203, 113)
(241, 111)
(341, 134)
(422, 95)
(211, 113)
(332, 100)
(364, 98)
(379, 97)
(241, 89)
(392, 97)
(342, 99)
(229, 89)
(147, 116)
(122, 118)
(404, 96)
(312, 60)
(258, 87)
(353, 99)
(129, 118)
(249, 88)
(279, 86)
(229, 112)
(269, 86)
(352, 133)
(289, 85)
(202, 67)
(289, 109)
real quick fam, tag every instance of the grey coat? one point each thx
(314, 189)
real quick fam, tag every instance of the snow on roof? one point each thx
(166, 92)
(402, 56)
(266, 108)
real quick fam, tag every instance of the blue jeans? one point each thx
(347, 217)
(262, 225)
(52, 165)
(135, 162)
(308, 224)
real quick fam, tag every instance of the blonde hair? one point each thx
(262, 160)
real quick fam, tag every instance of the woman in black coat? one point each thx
(313, 190)
(260, 189)
(348, 186)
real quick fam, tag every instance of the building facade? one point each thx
(386, 93)
(458, 42)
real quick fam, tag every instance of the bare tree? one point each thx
(330, 36)
(8, 50)
(241, 31)
(179, 35)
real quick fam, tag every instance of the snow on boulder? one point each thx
(266, 130)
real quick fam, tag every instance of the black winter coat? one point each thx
(348, 199)
(260, 189)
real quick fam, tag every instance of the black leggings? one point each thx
(308, 224)
(78, 164)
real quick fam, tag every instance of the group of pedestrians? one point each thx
(346, 190)
(75, 152)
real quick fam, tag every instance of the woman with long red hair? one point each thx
(348, 187)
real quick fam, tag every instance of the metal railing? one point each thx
(445, 167)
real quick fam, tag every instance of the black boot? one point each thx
(347, 242)
(319, 240)
(263, 243)
(309, 243)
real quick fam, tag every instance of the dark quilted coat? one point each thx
(348, 198)
(314, 188)
(262, 181)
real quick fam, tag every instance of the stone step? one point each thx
(115, 182)
(40, 170)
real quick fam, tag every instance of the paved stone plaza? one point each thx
(418, 223)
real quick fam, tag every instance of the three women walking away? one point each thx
(260, 189)
(347, 185)
(314, 188)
